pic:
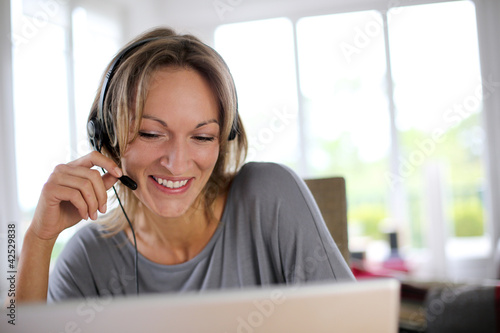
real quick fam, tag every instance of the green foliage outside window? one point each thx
(368, 191)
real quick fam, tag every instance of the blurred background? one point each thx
(399, 97)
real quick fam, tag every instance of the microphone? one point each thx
(127, 181)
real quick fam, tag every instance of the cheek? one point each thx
(135, 157)
(139, 156)
(207, 158)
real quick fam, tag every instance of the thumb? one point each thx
(109, 180)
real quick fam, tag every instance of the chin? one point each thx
(173, 208)
(173, 212)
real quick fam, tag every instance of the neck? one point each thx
(175, 240)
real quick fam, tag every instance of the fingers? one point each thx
(66, 195)
(81, 186)
(84, 187)
(73, 192)
(108, 180)
(98, 159)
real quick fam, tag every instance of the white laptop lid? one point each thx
(367, 306)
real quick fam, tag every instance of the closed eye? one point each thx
(204, 138)
(148, 135)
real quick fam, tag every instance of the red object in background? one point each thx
(396, 263)
(394, 266)
(360, 274)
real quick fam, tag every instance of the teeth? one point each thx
(171, 184)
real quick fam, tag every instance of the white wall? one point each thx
(200, 17)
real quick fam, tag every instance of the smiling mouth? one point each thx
(171, 184)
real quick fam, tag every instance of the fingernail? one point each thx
(118, 172)
(94, 216)
(103, 208)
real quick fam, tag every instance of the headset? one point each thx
(99, 136)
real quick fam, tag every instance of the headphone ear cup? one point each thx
(234, 130)
(94, 131)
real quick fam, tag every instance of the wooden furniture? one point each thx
(330, 195)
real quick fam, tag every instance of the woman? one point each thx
(166, 117)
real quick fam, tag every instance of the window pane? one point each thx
(438, 96)
(342, 70)
(96, 40)
(92, 31)
(43, 114)
(40, 104)
(260, 55)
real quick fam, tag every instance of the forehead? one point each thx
(180, 92)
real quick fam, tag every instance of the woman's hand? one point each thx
(73, 192)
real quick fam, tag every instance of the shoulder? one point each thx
(84, 262)
(268, 184)
(266, 175)
(263, 168)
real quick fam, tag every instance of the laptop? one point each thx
(365, 306)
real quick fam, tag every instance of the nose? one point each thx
(175, 157)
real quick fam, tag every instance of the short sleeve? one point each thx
(92, 264)
(71, 274)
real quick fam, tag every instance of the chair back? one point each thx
(330, 195)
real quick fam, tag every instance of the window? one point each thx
(40, 102)
(260, 55)
(96, 39)
(57, 68)
(438, 95)
(346, 108)
(391, 101)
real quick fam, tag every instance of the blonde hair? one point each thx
(126, 96)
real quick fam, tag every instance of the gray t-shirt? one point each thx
(271, 232)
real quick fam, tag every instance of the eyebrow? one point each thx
(164, 124)
(211, 121)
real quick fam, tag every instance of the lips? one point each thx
(172, 184)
